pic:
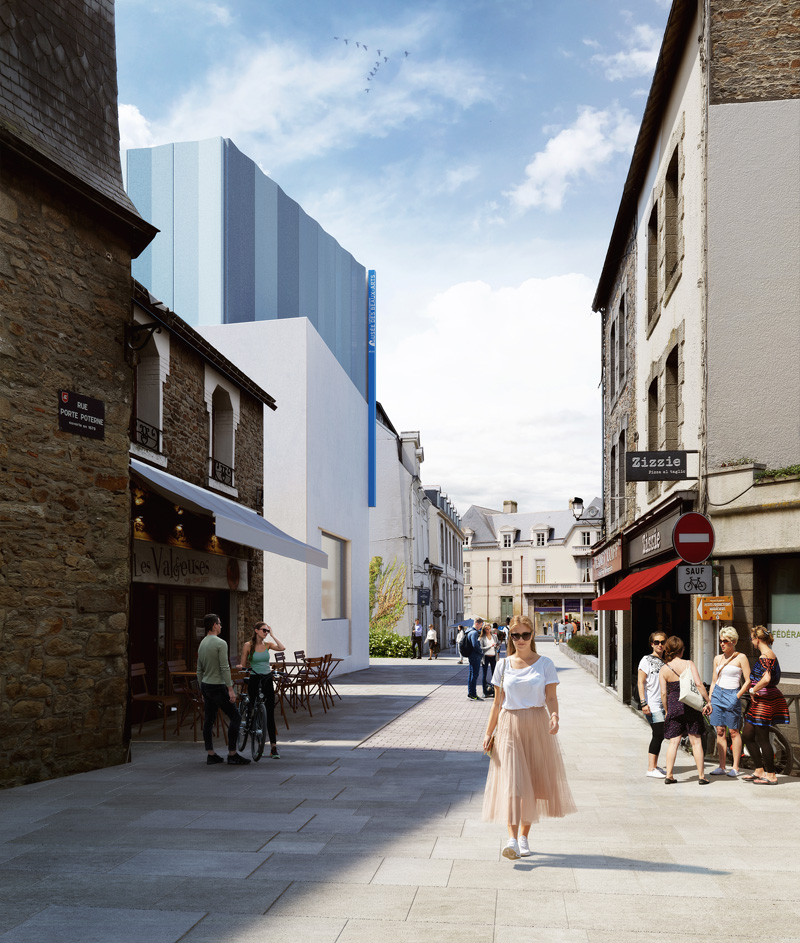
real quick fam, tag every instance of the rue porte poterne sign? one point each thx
(81, 415)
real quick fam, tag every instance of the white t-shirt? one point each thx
(524, 687)
(651, 665)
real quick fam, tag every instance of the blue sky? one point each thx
(480, 176)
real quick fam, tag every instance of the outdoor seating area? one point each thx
(302, 685)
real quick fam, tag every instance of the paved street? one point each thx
(369, 828)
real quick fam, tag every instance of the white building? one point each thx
(446, 565)
(533, 563)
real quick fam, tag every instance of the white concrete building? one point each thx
(531, 563)
(446, 565)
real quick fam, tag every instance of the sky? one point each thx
(473, 153)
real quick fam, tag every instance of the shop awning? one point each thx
(232, 521)
(620, 596)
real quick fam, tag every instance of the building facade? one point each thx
(530, 563)
(446, 565)
(283, 301)
(703, 260)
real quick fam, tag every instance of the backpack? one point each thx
(464, 645)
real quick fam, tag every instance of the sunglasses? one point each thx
(520, 635)
(660, 642)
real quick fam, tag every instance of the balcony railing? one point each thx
(221, 472)
(149, 437)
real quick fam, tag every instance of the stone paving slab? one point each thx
(369, 827)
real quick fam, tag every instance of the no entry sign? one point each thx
(693, 537)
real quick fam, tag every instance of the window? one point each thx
(506, 541)
(621, 489)
(652, 267)
(671, 216)
(467, 573)
(541, 540)
(507, 571)
(612, 484)
(583, 570)
(671, 401)
(622, 352)
(586, 538)
(333, 579)
(652, 416)
(540, 574)
(150, 375)
(222, 402)
(612, 352)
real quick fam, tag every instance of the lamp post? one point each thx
(577, 508)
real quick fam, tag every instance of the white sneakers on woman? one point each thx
(517, 849)
(524, 848)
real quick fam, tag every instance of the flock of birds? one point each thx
(378, 63)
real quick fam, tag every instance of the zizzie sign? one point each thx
(81, 415)
(655, 466)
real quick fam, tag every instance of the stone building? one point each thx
(704, 253)
(446, 565)
(68, 233)
(534, 563)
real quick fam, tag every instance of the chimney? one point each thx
(509, 507)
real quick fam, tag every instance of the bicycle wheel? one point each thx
(259, 734)
(244, 727)
(784, 758)
(688, 586)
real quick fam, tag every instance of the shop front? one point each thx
(545, 611)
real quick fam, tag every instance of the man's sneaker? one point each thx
(524, 847)
(274, 753)
(234, 759)
(511, 850)
(213, 758)
(656, 774)
(474, 697)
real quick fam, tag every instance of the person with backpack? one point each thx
(471, 650)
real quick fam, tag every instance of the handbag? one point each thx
(689, 695)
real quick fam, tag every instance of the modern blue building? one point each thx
(233, 247)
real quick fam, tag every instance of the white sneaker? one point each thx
(511, 850)
(524, 847)
(655, 774)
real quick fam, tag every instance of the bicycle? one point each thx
(253, 726)
(695, 584)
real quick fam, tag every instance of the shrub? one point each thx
(389, 645)
(583, 644)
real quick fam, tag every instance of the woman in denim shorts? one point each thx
(728, 683)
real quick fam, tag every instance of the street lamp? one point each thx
(577, 508)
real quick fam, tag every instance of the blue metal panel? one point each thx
(266, 248)
(187, 235)
(308, 286)
(288, 256)
(209, 222)
(239, 228)
(326, 298)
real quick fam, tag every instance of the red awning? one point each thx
(620, 596)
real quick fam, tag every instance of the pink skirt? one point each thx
(526, 779)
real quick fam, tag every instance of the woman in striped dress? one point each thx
(767, 706)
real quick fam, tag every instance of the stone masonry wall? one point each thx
(755, 50)
(64, 502)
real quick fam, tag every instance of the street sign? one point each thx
(655, 466)
(715, 607)
(693, 537)
(694, 579)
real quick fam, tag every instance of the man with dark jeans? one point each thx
(416, 638)
(214, 680)
(475, 656)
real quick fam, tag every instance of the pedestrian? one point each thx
(433, 642)
(650, 701)
(255, 658)
(569, 628)
(680, 718)
(562, 629)
(471, 648)
(726, 692)
(489, 645)
(767, 706)
(459, 639)
(214, 681)
(526, 778)
(416, 639)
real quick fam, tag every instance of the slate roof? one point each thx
(487, 523)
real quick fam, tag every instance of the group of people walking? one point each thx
(672, 717)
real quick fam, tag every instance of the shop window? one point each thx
(333, 579)
(507, 572)
(540, 572)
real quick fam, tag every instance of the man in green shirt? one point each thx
(214, 679)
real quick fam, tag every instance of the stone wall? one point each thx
(64, 504)
(755, 50)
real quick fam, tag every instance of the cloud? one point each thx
(280, 99)
(575, 152)
(638, 59)
(507, 382)
(134, 128)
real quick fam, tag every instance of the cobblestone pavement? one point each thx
(369, 828)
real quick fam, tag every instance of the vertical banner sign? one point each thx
(371, 390)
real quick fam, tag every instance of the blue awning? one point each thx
(232, 521)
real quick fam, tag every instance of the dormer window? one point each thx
(508, 541)
(539, 536)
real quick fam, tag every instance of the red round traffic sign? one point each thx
(693, 537)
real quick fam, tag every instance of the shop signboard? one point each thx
(423, 596)
(710, 608)
(179, 566)
(694, 579)
(608, 561)
(786, 645)
(657, 539)
(655, 466)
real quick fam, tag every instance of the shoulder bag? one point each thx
(689, 695)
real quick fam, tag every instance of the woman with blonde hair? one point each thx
(767, 706)
(526, 779)
(680, 718)
(724, 699)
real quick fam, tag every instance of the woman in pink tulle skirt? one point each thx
(526, 778)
